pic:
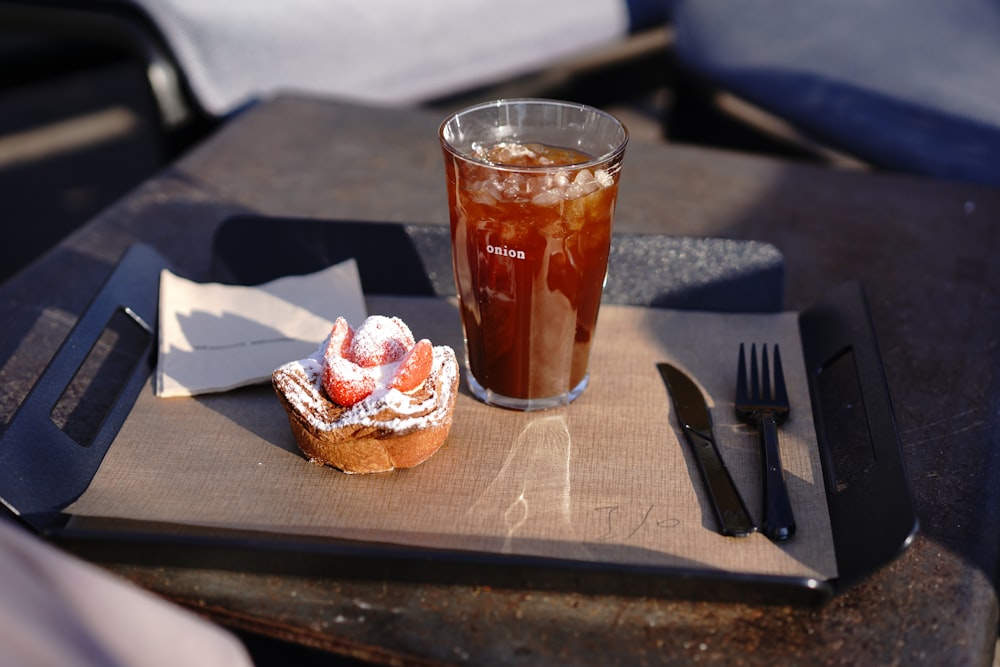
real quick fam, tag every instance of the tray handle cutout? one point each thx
(57, 439)
(862, 463)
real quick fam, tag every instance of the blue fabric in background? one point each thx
(644, 14)
(912, 85)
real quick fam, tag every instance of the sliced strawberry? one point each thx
(414, 367)
(339, 342)
(346, 383)
(380, 340)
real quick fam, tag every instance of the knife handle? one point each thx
(730, 510)
(779, 521)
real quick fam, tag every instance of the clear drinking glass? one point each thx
(532, 186)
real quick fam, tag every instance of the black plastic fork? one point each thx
(756, 404)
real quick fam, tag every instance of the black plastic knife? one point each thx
(696, 422)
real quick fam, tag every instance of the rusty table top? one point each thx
(923, 249)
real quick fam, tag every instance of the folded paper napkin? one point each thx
(217, 337)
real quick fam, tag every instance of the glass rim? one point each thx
(608, 156)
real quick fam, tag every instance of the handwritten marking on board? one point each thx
(622, 526)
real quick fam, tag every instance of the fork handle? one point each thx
(779, 522)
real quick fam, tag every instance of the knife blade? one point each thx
(696, 423)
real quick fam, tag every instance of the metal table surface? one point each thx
(925, 251)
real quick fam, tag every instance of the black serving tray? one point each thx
(722, 275)
(49, 453)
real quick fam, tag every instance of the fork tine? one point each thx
(755, 404)
(765, 374)
(741, 378)
(780, 392)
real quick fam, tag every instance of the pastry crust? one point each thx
(385, 431)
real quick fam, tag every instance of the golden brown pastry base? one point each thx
(356, 449)
(367, 454)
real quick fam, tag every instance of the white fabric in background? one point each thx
(372, 51)
(58, 610)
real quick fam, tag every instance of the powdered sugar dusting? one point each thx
(380, 340)
(425, 407)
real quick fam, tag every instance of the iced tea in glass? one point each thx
(532, 186)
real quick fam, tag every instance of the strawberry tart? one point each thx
(371, 399)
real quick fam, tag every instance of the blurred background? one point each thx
(97, 95)
(79, 126)
(77, 130)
